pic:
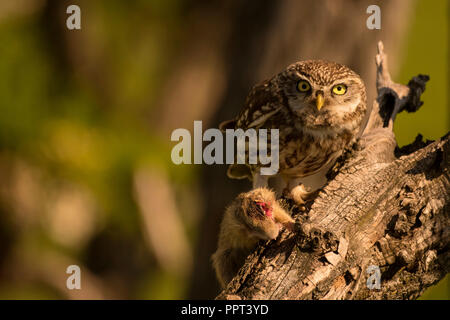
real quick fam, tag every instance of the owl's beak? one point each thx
(319, 100)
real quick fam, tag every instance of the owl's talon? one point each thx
(300, 194)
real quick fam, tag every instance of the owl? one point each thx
(318, 107)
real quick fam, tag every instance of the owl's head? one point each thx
(323, 95)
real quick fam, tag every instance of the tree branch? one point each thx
(383, 206)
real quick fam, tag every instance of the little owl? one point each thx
(318, 107)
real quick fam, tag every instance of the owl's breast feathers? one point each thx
(302, 154)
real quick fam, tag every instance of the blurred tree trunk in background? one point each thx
(253, 41)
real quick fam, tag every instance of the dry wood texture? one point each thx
(383, 207)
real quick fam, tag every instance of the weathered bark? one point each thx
(382, 207)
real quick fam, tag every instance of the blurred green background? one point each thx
(86, 116)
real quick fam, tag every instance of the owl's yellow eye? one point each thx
(303, 86)
(339, 89)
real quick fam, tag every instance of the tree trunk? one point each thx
(384, 211)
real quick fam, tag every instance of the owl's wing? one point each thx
(227, 124)
(260, 105)
(239, 171)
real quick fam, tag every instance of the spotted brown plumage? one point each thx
(315, 125)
